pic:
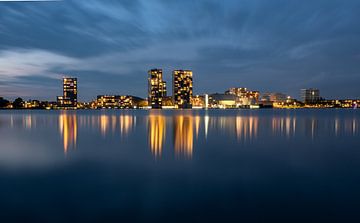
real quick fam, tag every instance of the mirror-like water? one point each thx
(216, 165)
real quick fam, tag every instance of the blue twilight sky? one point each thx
(277, 45)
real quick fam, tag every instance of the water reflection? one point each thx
(104, 124)
(354, 126)
(284, 126)
(183, 135)
(206, 124)
(240, 128)
(126, 124)
(68, 130)
(114, 167)
(246, 127)
(156, 134)
(197, 125)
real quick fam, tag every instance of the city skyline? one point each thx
(276, 46)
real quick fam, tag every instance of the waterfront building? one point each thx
(310, 96)
(156, 88)
(69, 98)
(168, 102)
(344, 103)
(222, 100)
(198, 101)
(117, 101)
(182, 88)
(244, 97)
(107, 101)
(274, 97)
(33, 104)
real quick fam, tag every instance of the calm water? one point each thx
(180, 166)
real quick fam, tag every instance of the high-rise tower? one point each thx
(182, 88)
(69, 98)
(156, 88)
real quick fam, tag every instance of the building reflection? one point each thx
(104, 124)
(68, 130)
(197, 126)
(354, 126)
(183, 136)
(246, 127)
(126, 124)
(156, 134)
(206, 124)
(285, 126)
(27, 121)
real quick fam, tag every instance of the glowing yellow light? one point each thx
(157, 133)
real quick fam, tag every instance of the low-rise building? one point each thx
(117, 102)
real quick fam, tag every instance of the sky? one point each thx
(270, 46)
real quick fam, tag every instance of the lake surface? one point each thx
(180, 166)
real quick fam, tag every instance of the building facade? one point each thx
(182, 88)
(244, 97)
(274, 97)
(69, 98)
(117, 102)
(310, 96)
(156, 88)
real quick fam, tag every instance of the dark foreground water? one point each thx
(180, 166)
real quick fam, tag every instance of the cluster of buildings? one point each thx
(182, 97)
(182, 86)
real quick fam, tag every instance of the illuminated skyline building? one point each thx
(69, 97)
(310, 96)
(156, 88)
(244, 96)
(116, 101)
(182, 88)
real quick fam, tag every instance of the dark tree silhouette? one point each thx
(3, 103)
(18, 103)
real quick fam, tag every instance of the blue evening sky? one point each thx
(266, 45)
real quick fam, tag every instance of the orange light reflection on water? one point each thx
(183, 136)
(68, 130)
(156, 134)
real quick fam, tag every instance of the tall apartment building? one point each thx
(182, 88)
(310, 96)
(69, 98)
(156, 88)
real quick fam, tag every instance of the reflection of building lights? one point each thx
(294, 125)
(68, 130)
(113, 123)
(288, 124)
(197, 125)
(183, 136)
(28, 121)
(11, 121)
(285, 126)
(126, 124)
(206, 123)
(354, 126)
(246, 127)
(157, 133)
(336, 128)
(312, 128)
(104, 124)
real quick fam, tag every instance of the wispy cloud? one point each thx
(269, 45)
